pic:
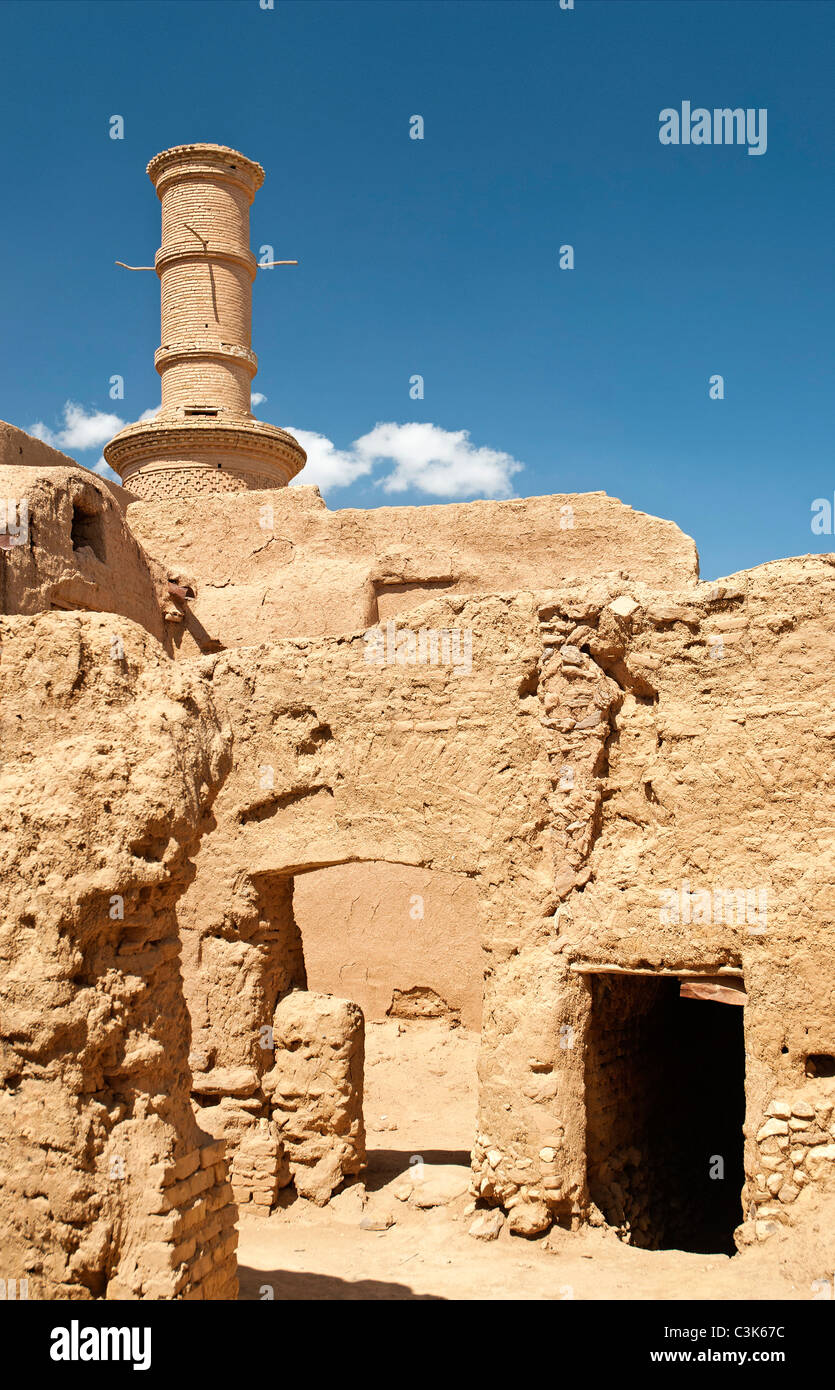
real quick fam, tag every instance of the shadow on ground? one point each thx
(288, 1286)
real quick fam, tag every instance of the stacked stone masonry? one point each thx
(796, 1146)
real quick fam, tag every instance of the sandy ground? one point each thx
(420, 1103)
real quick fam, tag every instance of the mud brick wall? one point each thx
(109, 1187)
(315, 1090)
(260, 1168)
(188, 1235)
(342, 762)
(78, 553)
(241, 953)
(619, 734)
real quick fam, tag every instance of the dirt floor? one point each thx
(420, 1106)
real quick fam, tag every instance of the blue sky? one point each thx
(440, 256)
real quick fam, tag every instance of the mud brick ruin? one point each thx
(609, 782)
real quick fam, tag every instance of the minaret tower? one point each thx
(205, 438)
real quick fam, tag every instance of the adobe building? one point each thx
(243, 735)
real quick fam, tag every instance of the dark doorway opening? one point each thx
(665, 1105)
(88, 531)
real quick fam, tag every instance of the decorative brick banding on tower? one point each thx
(205, 438)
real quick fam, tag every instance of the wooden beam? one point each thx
(719, 991)
(693, 972)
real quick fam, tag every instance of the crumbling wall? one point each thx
(627, 772)
(685, 735)
(573, 776)
(795, 1148)
(529, 1156)
(241, 953)
(341, 762)
(65, 544)
(315, 1090)
(278, 564)
(706, 849)
(790, 1059)
(109, 767)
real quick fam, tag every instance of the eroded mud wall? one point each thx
(109, 767)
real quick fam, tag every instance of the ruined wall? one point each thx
(108, 1188)
(623, 775)
(264, 567)
(795, 1148)
(277, 564)
(315, 1087)
(75, 550)
(241, 953)
(708, 781)
(341, 762)
(598, 756)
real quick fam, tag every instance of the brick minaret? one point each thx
(205, 438)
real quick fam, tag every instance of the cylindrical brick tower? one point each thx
(205, 438)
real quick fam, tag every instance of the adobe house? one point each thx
(569, 794)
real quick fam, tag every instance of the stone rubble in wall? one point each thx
(796, 1146)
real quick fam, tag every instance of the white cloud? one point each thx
(105, 471)
(81, 430)
(426, 458)
(420, 457)
(326, 465)
(257, 398)
(440, 462)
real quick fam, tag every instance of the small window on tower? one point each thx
(200, 410)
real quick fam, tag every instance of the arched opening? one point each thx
(87, 530)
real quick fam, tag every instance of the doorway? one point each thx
(403, 942)
(665, 1105)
